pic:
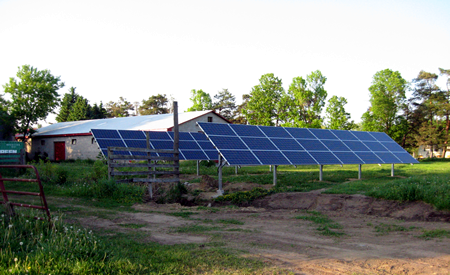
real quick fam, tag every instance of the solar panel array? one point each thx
(266, 145)
(192, 146)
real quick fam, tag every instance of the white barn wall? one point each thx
(191, 126)
(83, 149)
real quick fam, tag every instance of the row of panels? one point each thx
(192, 146)
(239, 130)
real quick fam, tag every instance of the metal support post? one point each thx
(198, 169)
(220, 165)
(392, 170)
(275, 175)
(321, 172)
(235, 170)
(270, 168)
(359, 171)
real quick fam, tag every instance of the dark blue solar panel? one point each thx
(259, 143)
(206, 145)
(287, 144)
(212, 154)
(323, 134)
(363, 136)
(356, 146)
(239, 157)
(181, 136)
(300, 133)
(159, 135)
(406, 158)
(380, 136)
(126, 134)
(369, 157)
(325, 157)
(388, 157)
(335, 145)
(189, 145)
(393, 146)
(136, 143)
(277, 132)
(348, 157)
(247, 130)
(226, 142)
(105, 152)
(217, 128)
(312, 145)
(195, 155)
(199, 136)
(162, 144)
(300, 158)
(344, 135)
(375, 146)
(271, 157)
(105, 143)
(105, 133)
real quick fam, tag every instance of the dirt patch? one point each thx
(354, 204)
(271, 230)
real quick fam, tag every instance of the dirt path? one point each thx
(373, 242)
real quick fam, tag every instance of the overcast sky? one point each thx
(135, 49)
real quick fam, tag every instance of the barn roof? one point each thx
(162, 122)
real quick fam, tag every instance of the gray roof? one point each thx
(150, 122)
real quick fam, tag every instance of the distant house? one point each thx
(73, 140)
(429, 151)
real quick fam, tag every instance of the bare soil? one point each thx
(269, 230)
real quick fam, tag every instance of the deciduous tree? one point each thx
(201, 101)
(33, 96)
(263, 106)
(154, 105)
(120, 108)
(338, 118)
(225, 103)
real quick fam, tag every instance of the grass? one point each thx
(435, 233)
(384, 229)
(326, 226)
(183, 214)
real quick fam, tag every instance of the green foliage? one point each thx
(231, 221)
(183, 214)
(431, 189)
(154, 105)
(225, 104)
(201, 101)
(384, 229)
(326, 225)
(172, 194)
(435, 233)
(245, 197)
(338, 118)
(33, 97)
(121, 108)
(304, 101)
(30, 246)
(264, 105)
(387, 97)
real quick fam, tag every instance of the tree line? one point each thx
(422, 119)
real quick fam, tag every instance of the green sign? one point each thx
(9, 147)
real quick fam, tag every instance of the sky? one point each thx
(136, 49)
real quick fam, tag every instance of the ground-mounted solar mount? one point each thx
(251, 145)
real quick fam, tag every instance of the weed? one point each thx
(210, 209)
(245, 197)
(325, 224)
(132, 225)
(231, 221)
(435, 233)
(195, 229)
(384, 229)
(182, 214)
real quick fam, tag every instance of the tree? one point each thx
(120, 108)
(66, 105)
(338, 118)
(98, 111)
(33, 97)
(6, 120)
(80, 110)
(201, 101)
(263, 107)
(154, 105)
(305, 100)
(387, 98)
(238, 114)
(225, 103)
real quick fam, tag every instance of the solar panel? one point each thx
(264, 145)
(192, 146)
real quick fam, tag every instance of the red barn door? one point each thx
(60, 151)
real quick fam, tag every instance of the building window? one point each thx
(74, 141)
(92, 140)
(42, 142)
(210, 119)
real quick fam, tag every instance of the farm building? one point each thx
(73, 140)
(429, 151)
